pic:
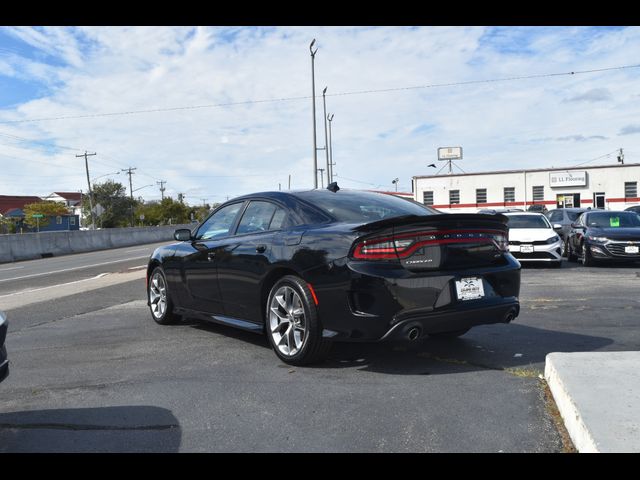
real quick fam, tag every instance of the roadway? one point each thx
(92, 372)
(46, 272)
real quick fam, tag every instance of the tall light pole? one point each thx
(395, 181)
(322, 176)
(331, 164)
(326, 142)
(130, 172)
(313, 101)
(86, 164)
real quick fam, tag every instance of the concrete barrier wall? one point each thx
(36, 245)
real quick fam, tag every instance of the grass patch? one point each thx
(524, 372)
(554, 413)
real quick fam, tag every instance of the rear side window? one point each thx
(219, 224)
(261, 217)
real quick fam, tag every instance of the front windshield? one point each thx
(613, 220)
(528, 221)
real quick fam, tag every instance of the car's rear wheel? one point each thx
(292, 324)
(159, 300)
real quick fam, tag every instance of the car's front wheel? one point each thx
(292, 324)
(159, 301)
(587, 258)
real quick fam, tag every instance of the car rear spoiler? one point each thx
(449, 219)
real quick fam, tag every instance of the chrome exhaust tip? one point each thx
(413, 333)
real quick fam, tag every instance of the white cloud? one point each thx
(227, 151)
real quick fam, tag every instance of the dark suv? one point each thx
(564, 217)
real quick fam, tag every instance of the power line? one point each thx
(358, 92)
(597, 158)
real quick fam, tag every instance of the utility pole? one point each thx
(621, 157)
(326, 142)
(130, 172)
(331, 164)
(86, 165)
(321, 176)
(289, 181)
(162, 189)
(313, 100)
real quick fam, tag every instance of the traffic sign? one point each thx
(37, 215)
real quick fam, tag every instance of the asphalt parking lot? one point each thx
(93, 372)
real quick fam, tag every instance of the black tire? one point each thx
(557, 264)
(162, 316)
(452, 334)
(571, 257)
(586, 259)
(313, 348)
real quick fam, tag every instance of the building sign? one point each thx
(450, 153)
(568, 179)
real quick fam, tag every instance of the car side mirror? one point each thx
(557, 226)
(182, 235)
(575, 225)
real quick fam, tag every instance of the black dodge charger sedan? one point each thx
(312, 267)
(604, 235)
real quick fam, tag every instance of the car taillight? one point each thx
(405, 244)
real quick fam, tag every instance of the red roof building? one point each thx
(11, 202)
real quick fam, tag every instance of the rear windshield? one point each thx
(351, 206)
(613, 220)
(528, 221)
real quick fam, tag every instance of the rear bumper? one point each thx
(461, 318)
(376, 303)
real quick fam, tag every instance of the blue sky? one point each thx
(52, 72)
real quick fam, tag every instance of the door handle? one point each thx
(211, 256)
(261, 248)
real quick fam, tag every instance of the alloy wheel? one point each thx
(158, 295)
(287, 321)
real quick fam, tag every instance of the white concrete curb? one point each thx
(580, 435)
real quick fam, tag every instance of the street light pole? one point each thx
(86, 164)
(313, 101)
(326, 142)
(331, 164)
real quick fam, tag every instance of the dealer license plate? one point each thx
(469, 288)
(631, 249)
(526, 248)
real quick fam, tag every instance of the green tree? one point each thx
(165, 212)
(46, 208)
(112, 197)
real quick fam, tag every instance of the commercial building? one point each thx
(611, 187)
